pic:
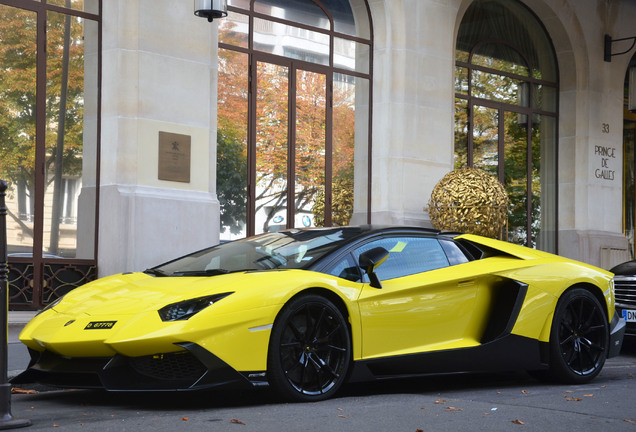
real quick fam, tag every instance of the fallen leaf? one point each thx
(56, 425)
(23, 391)
(340, 409)
(588, 395)
(525, 392)
(517, 421)
(237, 421)
(629, 421)
(185, 418)
(439, 401)
(419, 430)
(450, 408)
(342, 416)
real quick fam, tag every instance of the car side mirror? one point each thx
(370, 261)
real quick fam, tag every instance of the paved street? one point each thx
(493, 402)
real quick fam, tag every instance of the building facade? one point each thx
(134, 131)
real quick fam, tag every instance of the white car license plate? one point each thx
(629, 315)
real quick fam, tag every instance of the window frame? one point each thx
(255, 56)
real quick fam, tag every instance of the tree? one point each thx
(63, 140)
(272, 133)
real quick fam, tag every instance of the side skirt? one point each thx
(508, 353)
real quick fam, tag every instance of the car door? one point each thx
(424, 304)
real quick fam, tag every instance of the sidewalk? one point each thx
(17, 320)
(17, 355)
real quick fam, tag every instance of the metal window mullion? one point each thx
(501, 148)
(291, 146)
(251, 146)
(329, 151)
(40, 159)
(529, 206)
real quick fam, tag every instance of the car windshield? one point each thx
(294, 249)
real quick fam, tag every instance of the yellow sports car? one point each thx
(307, 310)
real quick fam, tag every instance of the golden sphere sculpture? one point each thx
(469, 200)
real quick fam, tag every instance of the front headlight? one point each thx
(185, 309)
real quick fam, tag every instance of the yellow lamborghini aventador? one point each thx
(307, 310)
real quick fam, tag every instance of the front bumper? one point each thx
(192, 369)
(617, 333)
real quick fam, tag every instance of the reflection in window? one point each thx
(505, 113)
(18, 35)
(407, 256)
(307, 155)
(68, 136)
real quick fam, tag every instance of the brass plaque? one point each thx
(174, 157)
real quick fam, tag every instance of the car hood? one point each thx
(133, 293)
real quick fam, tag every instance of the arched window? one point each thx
(293, 114)
(629, 158)
(506, 117)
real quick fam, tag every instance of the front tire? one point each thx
(309, 351)
(579, 339)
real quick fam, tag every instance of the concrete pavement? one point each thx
(17, 355)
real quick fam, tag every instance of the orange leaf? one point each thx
(185, 418)
(23, 391)
(629, 421)
(237, 421)
(517, 421)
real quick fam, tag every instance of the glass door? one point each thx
(501, 146)
(289, 147)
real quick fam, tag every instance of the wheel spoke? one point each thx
(323, 366)
(581, 314)
(315, 331)
(591, 317)
(297, 333)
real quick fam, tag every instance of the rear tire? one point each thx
(309, 350)
(579, 338)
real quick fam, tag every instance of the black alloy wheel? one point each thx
(310, 350)
(580, 337)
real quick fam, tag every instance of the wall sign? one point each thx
(605, 156)
(174, 157)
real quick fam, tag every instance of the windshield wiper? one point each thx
(155, 272)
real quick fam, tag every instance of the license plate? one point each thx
(100, 325)
(629, 315)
